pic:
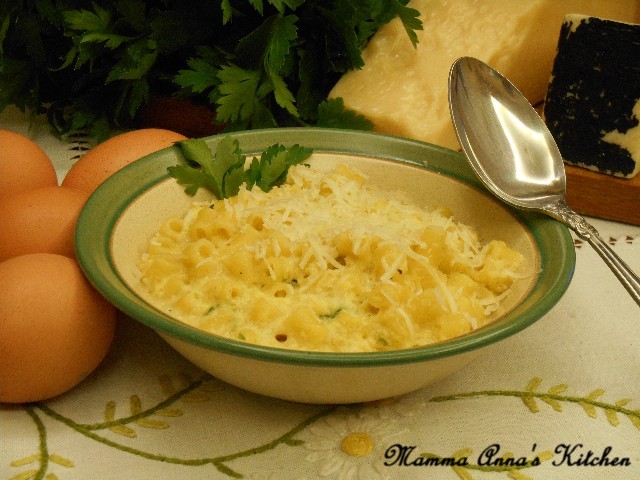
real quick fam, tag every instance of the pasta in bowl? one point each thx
(325, 262)
(392, 292)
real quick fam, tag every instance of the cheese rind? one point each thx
(403, 90)
(593, 102)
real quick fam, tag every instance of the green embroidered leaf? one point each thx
(612, 417)
(531, 404)
(27, 475)
(59, 460)
(518, 475)
(622, 402)
(635, 419)
(462, 473)
(595, 394)
(556, 405)
(124, 431)
(557, 389)
(590, 409)
(147, 423)
(546, 455)
(26, 460)
(110, 411)
(533, 384)
(464, 452)
(135, 405)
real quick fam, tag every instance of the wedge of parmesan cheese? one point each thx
(403, 90)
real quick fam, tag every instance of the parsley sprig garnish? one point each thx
(224, 172)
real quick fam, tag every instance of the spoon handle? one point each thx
(587, 232)
(621, 270)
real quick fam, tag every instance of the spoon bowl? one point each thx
(514, 154)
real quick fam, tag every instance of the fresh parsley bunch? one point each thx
(257, 63)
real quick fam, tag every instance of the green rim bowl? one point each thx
(123, 213)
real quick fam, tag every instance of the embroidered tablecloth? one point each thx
(559, 400)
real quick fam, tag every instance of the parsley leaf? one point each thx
(88, 20)
(213, 172)
(282, 35)
(227, 11)
(238, 92)
(228, 159)
(332, 114)
(261, 59)
(410, 20)
(197, 154)
(282, 94)
(224, 173)
(274, 164)
(96, 26)
(138, 59)
(200, 77)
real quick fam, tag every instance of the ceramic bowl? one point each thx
(121, 216)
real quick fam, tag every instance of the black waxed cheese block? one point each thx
(592, 105)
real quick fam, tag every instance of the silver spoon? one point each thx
(514, 154)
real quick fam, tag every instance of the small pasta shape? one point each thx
(197, 251)
(173, 228)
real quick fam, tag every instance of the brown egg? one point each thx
(55, 329)
(39, 220)
(23, 164)
(103, 160)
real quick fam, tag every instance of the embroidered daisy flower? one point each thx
(348, 446)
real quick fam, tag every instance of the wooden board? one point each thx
(603, 196)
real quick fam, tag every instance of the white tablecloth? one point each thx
(565, 391)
